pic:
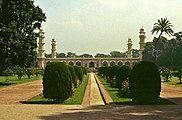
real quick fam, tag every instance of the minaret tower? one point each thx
(142, 42)
(53, 50)
(129, 48)
(41, 49)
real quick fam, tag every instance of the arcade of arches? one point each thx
(95, 62)
(91, 63)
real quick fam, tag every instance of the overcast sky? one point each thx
(102, 26)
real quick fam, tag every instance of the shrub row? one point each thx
(21, 72)
(59, 80)
(142, 82)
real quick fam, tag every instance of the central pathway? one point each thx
(95, 95)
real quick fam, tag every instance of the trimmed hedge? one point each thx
(145, 83)
(122, 79)
(79, 72)
(57, 83)
(73, 75)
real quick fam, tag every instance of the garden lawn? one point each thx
(113, 92)
(173, 81)
(76, 99)
(12, 80)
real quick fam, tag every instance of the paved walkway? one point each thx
(16, 93)
(95, 95)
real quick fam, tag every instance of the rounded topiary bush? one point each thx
(73, 75)
(79, 72)
(145, 83)
(57, 83)
(122, 79)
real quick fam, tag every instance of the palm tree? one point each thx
(162, 25)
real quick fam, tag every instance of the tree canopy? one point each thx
(163, 26)
(168, 52)
(19, 20)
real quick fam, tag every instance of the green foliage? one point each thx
(145, 83)
(7, 73)
(57, 83)
(85, 70)
(122, 79)
(39, 72)
(19, 71)
(112, 72)
(79, 72)
(162, 25)
(18, 40)
(166, 73)
(29, 72)
(178, 74)
(73, 75)
(116, 54)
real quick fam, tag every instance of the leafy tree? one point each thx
(116, 54)
(29, 72)
(135, 53)
(47, 55)
(61, 55)
(86, 55)
(99, 55)
(7, 73)
(162, 25)
(71, 54)
(19, 71)
(148, 52)
(166, 73)
(18, 40)
(178, 74)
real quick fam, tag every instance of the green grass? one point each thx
(12, 80)
(76, 99)
(113, 92)
(173, 81)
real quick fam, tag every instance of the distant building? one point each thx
(91, 63)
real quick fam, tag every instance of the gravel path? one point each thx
(172, 93)
(77, 112)
(16, 93)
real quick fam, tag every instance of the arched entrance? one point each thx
(91, 65)
(127, 63)
(120, 63)
(104, 63)
(112, 63)
(71, 63)
(78, 63)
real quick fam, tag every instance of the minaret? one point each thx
(41, 49)
(53, 50)
(142, 42)
(129, 48)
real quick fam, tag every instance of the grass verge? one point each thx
(113, 92)
(12, 80)
(76, 99)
